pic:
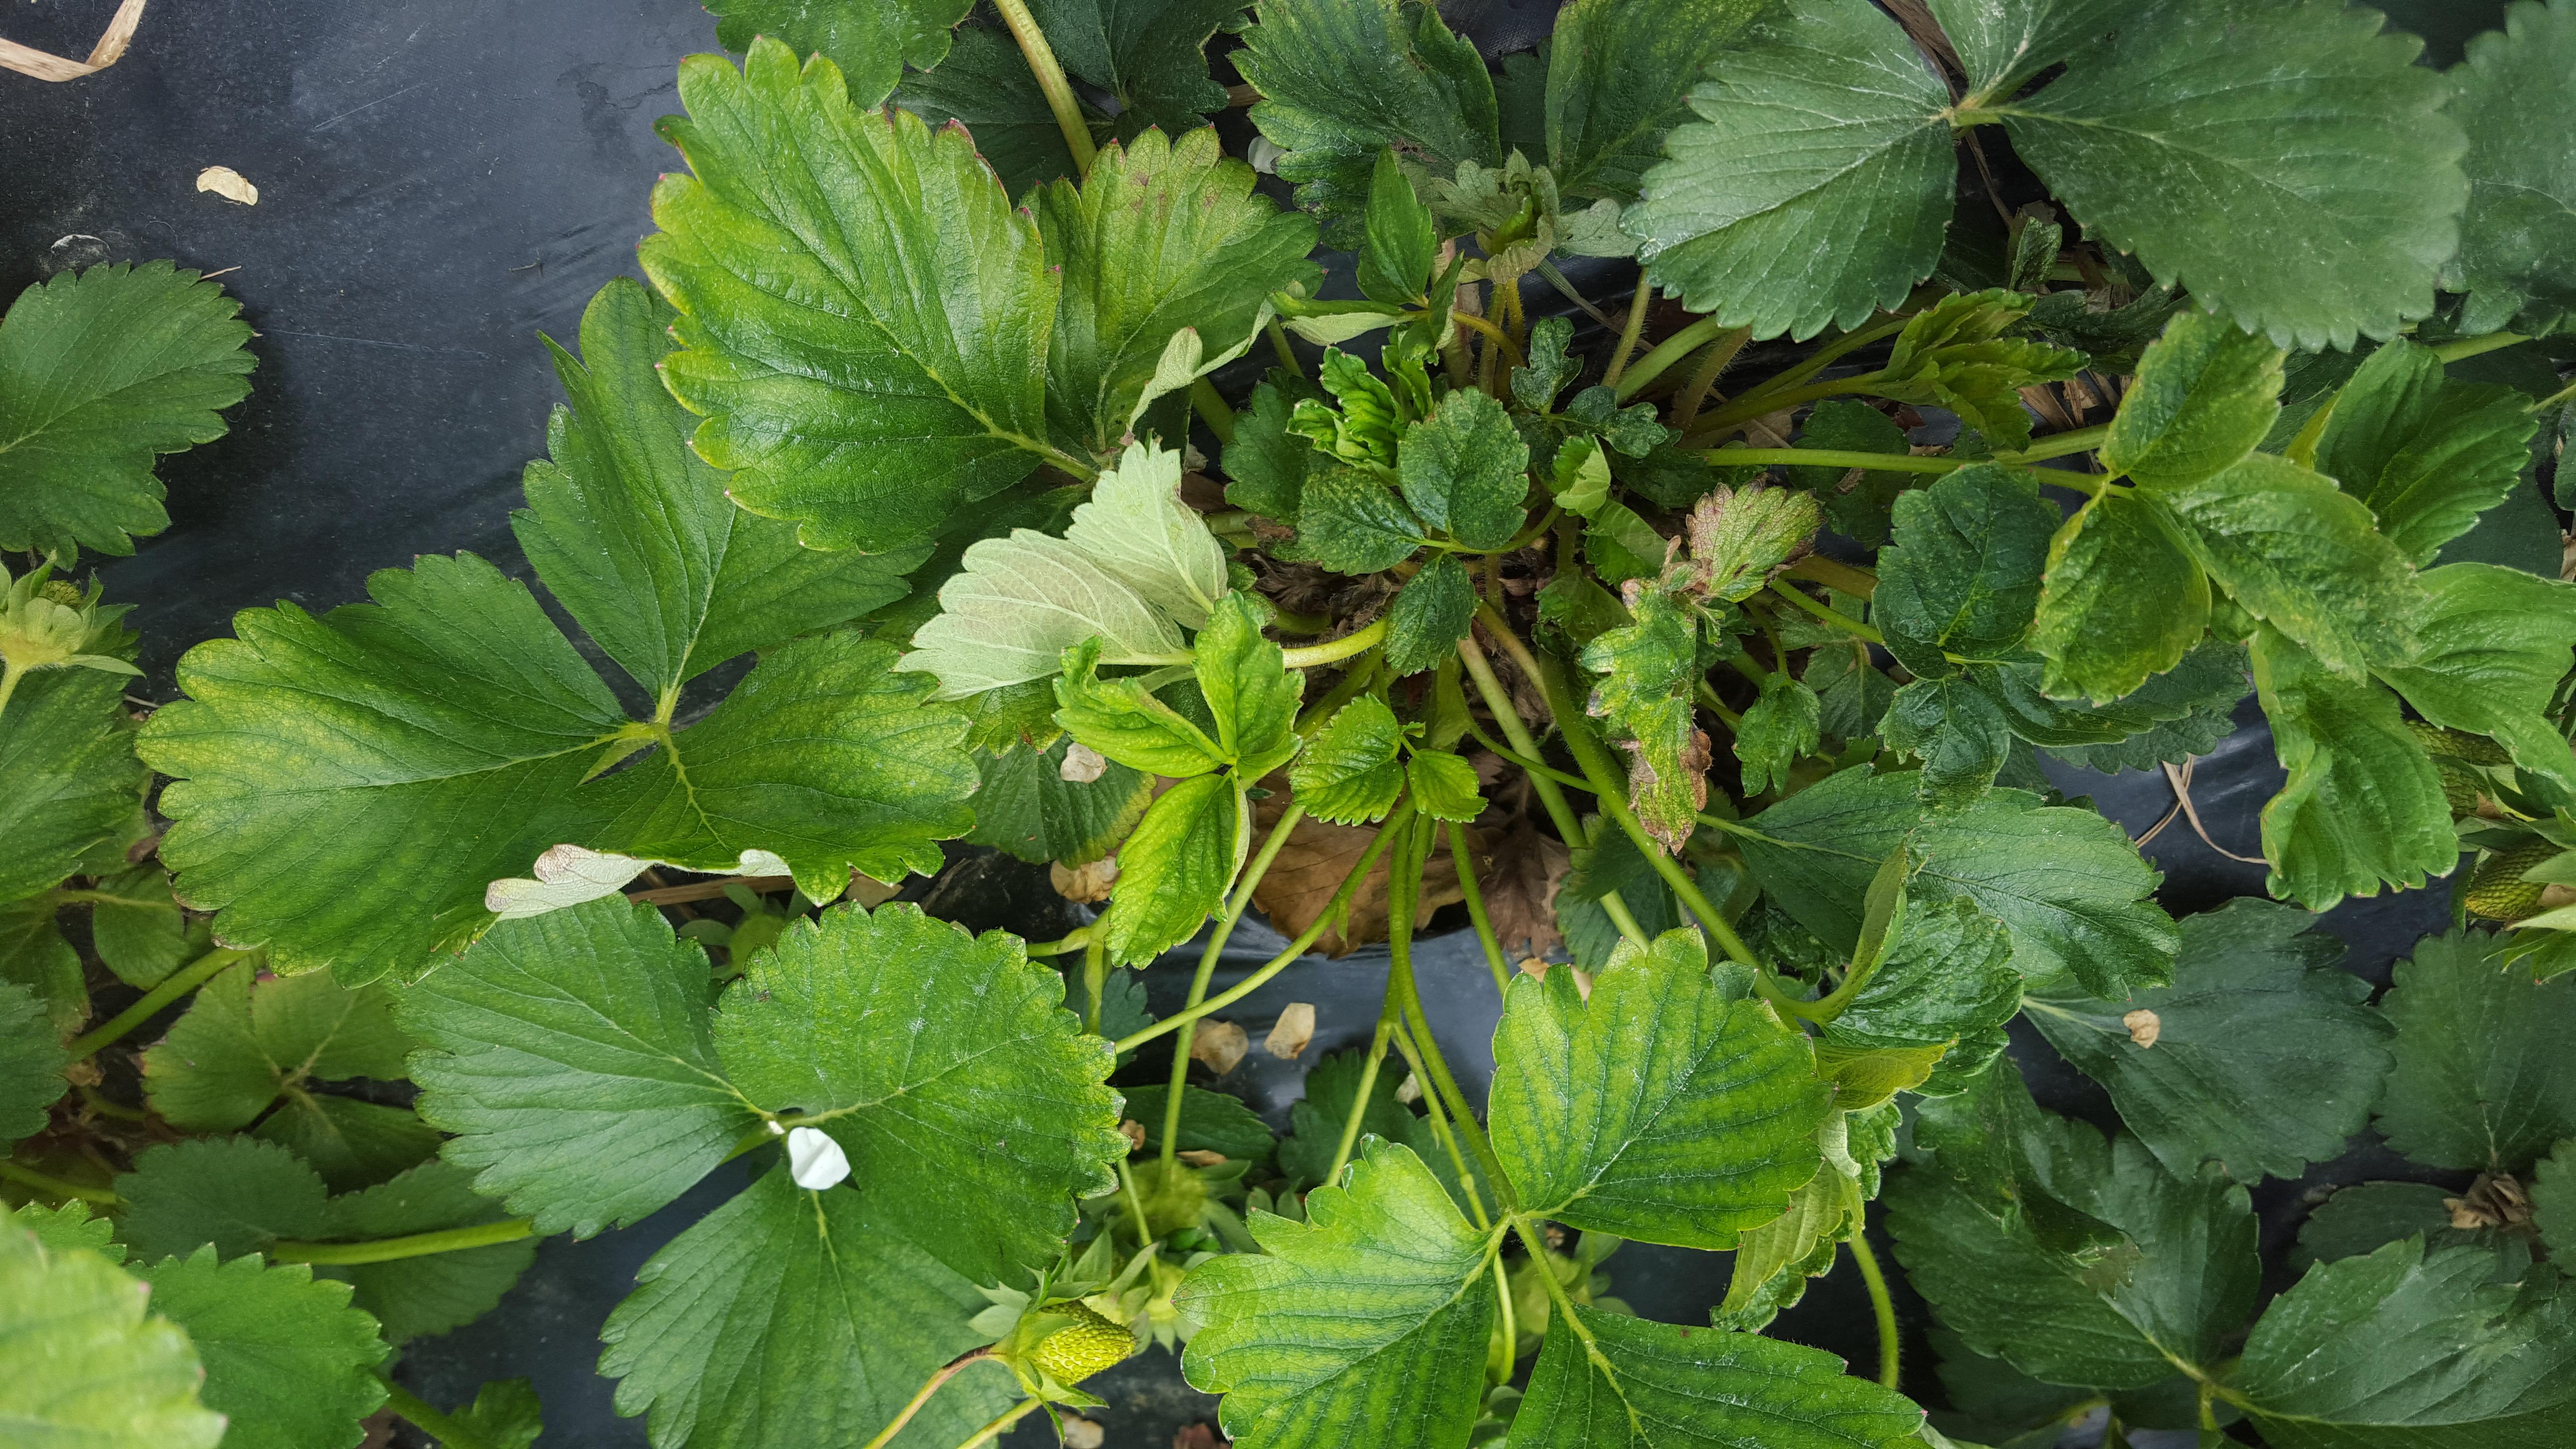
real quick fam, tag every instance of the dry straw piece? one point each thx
(27, 60)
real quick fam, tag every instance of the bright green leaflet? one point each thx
(60, 1229)
(241, 1044)
(430, 1294)
(101, 371)
(2302, 555)
(1781, 726)
(69, 782)
(2363, 804)
(2266, 1060)
(986, 86)
(1954, 354)
(505, 1413)
(1619, 77)
(1149, 54)
(2206, 395)
(1349, 773)
(1665, 1387)
(2516, 255)
(31, 1062)
(1964, 574)
(2490, 653)
(1814, 188)
(1369, 1317)
(2201, 123)
(864, 402)
(2005, 42)
(1430, 615)
(2426, 454)
(1646, 671)
(767, 1323)
(1465, 470)
(1028, 808)
(967, 1098)
(870, 42)
(1125, 722)
(2122, 598)
(2479, 1080)
(1444, 785)
(1667, 1108)
(1175, 867)
(1945, 976)
(238, 1193)
(287, 1358)
(1247, 687)
(83, 1364)
(572, 1055)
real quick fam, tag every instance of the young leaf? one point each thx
(2427, 455)
(83, 1365)
(973, 1139)
(1018, 603)
(1619, 77)
(1964, 575)
(1952, 354)
(768, 1321)
(1349, 774)
(2363, 804)
(1463, 470)
(2201, 122)
(1028, 808)
(1638, 1385)
(2302, 555)
(1738, 540)
(1399, 246)
(434, 1292)
(1372, 1312)
(2479, 1080)
(243, 1042)
(238, 1193)
(1945, 977)
(2206, 395)
(2121, 600)
(69, 781)
(862, 401)
(100, 371)
(286, 1357)
(1123, 720)
(1774, 1260)
(571, 1054)
(1647, 671)
(1247, 688)
(1174, 869)
(31, 1062)
(1779, 727)
(1444, 786)
(505, 1414)
(2515, 259)
(2264, 1058)
(2490, 652)
(1430, 615)
(1815, 186)
(871, 43)
(1665, 1109)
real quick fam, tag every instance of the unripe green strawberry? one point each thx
(2499, 893)
(1084, 1347)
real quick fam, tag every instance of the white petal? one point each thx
(815, 1160)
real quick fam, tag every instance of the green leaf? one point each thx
(1266, 464)
(1667, 1108)
(60, 1229)
(1782, 725)
(2005, 42)
(34, 954)
(83, 1365)
(244, 1041)
(1738, 539)
(352, 1143)
(2302, 555)
(795, 1317)
(986, 86)
(1150, 57)
(1647, 672)
(2515, 259)
(1945, 977)
(2553, 1198)
(2205, 396)
(2397, 1347)
(635, 536)
(1122, 720)
(1373, 1312)
(1958, 729)
(1210, 1122)
(1657, 1386)
(1315, 1121)
(1247, 687)
(1341, 80)
(2178, 714)
(1952, 354)
(100, 371)
(995, 1096)
(1351, 523)
(1815, 186)
(1399, 246)
(505, 1414)
(1350, 774)
(238, 1193)
(2265, 1058)
(1160, 236)
(2479, 1080)
(434, 1292)
(1535, 387)
(1136, 527)
(1464, 470)
(2490, 652)
(1619, 77)
(1430, 615)
(2363, 804)
(2426, 454)
(69, 782)
(2298, 123)
(871, 43)
(571, 1053)
(1174, 870)
(1028, 808)
(1859, 511)
(1444, 785)
(836, 389)
(2367, 1216)
(2121, 600)
(1774, 1260)
(1964, 575)
(2066, 882)
(31, 1062)
(287, 1359)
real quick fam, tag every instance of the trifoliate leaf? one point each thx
(2066, 882)
(1247, 687)
(2479, 1080)
(571, 1053)
(83, 1365)
(1953, 354)
(838, 390)
(796, 1316)
(2397, 1347)
(1444, 786)
(1372, 1312)
(243, 1041)
(1430, 615)
(1665, 1109)
(1398, 246)
(1860, 511)
(1349, 773)
(2005, 42)
(1619, 77)
(2489, 655)
(287, 1359)
(237, 1193)
(871, 43)
(1175, 867)
(2509, 95)
(2205, 396)
(1463, 470)
(1964, 575)
(1815, 186)
(2198, 124)
(1210, 1121)
(1151, 58)
(2122, 598)
(69, 782)
(2264, 1058)
(2302, 555)
(1161, 235)
(352, 1143)
(434, 1292)
(2426, 454)
(1028, 808)
(1944, 977)
(2363, 805)
(31, 1062)
(2178, 714)
(1352, 523)
(970, 1133)
(986, 86)
(100, 371)
(1658, 1386)
(1781, 726)
(1647, 671)
(1341, 80)
(1739, 539)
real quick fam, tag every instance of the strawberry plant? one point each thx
(994, 456)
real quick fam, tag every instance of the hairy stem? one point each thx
(1827, 615)
(1440, 1130)
(1002, 1421)
(1851, 579)
(1628, 334)
(1880, 1304)
(946, 1372)
(1207, 971)
(1050, 75)
(1476, 916)
(417, 1245)
(1358, 641)
(1568, 826)
(1095, 978)
(1695, 392)
(1667, 352)
(2459, 348)
(186, 979)
(1350, 1138)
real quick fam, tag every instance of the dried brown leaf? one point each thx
(1310, 869)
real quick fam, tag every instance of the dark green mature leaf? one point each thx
(1815, 186)
(1946, 976)
(2490, 652)
(2066, 882)
(1647, 672)
(1619, 76)
(286, 1357)
(2265, 1057)
(238, 1193)
(986, 86)
(1160, 236)
(1658, 1386)
(2206, 395)
(1174, 869)
(2426, 454)
(871, 42)
(243, 1042)
(1953, 354)
(83, 1365)
(2404, 1347)
(2188, 710)
(2005, 42)
(767, 1323)
(1341, 80)
(2363, 804)
(1859, 511)
(1210, 1121)
(2302, 555)
(2204, 122)
(69, 782)
(1352, 523)
(1315, 1122)
(2516, 259)
(2368, 1216)
(1964, 574)
(1266, 465)
(2480, 1079)
(1373, 1312)
(1667, 1108)
(571, 1053)
(1028, 808)
(100, 371)
(2121, 600)
(352, 1143)
(31, 1062)
(1430, 615)
(34, 954)
(1150, 56)
(139, 932)
(867, 435)
(1401, 245)
(1350, 773)
(1463, 470)
(434, 1292)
